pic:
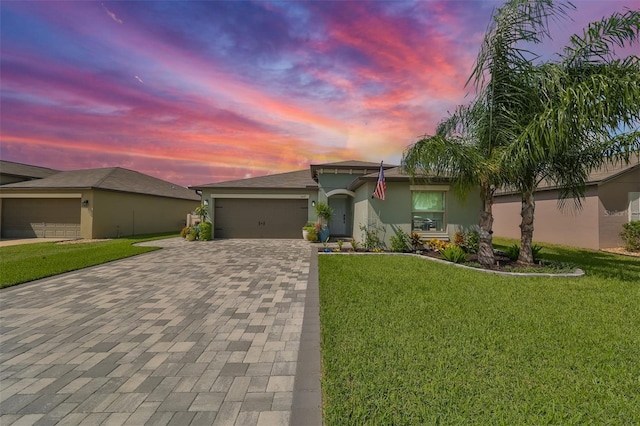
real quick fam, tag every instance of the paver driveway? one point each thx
(195, 333)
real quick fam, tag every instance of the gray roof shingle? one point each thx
(25, 170)
(300, 179)
(111, 178)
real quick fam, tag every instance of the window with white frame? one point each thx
(428, 211)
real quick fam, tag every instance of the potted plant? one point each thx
(324, 213)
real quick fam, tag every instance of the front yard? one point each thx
(409, 341)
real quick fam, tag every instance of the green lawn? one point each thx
(28, 262)
(408, 341)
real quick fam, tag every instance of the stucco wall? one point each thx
(577, 228)
(613, 207)
(395, 211)
(121, 214)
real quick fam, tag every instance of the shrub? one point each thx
(354, 244)
(372, 241)
(454, 254)
(513, 252)
(192, 234)
(436, 244)
(472, 242)
(459, 239)
(399, 242)
(183, 232)
(205, 231)
(312, 235)
(631, 235)
(416, 241)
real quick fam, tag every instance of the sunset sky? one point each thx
(200, 92)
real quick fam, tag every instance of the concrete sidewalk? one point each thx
(194, 334)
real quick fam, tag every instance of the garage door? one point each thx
(259, 218)
(36, 217)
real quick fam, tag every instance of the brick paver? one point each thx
(196, 333)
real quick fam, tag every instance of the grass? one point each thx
(28, 262)
(409, 341)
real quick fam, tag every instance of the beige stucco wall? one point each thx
(571, 227)
(121, 214)
(613, 207)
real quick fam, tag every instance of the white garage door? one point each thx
(259, 218)
(41, 218)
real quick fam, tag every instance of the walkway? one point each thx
(197, 333)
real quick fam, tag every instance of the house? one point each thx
(93, 203)
(612, 198)
(11, 172)
(279, 205)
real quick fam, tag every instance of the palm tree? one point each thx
(469, 145)
(459, 152)
(564, 118)
(530, 122)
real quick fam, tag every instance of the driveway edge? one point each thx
(307, 394)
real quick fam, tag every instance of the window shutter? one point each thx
(634, 206)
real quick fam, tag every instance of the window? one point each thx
(634, 206)
(427, 211)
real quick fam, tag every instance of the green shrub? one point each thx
(631, 235)
(192, 234)
(312, 235)
(205, 231)
(372, 241)
(513, 252)
(454, 254)
(399, 242)
(355, 245)
(183, 232)
(472, 242)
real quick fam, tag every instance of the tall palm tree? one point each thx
(460, 153)
(469, 146)
(570, 113)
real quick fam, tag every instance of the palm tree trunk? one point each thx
(526, 227)
(485, 249)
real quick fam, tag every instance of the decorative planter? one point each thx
(324, 234)
(304, 234)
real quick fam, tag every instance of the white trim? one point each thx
(428, 187)
(39, 195)
(341, 192)
(267, 196)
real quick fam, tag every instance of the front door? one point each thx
(338, 225)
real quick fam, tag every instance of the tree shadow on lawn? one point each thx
(596, 263)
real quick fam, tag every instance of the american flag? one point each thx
(381, 186)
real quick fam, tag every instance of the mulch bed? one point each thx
(503, 263)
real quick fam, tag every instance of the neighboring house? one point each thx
(94, 203)
(11, 172)
(612, 199)
(278, 206)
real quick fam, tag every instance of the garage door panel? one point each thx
(259, 218)
(33, 217)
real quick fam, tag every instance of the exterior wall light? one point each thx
(313, 204)
(85, 203)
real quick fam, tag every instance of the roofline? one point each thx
(3, 188)
(289, 188)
